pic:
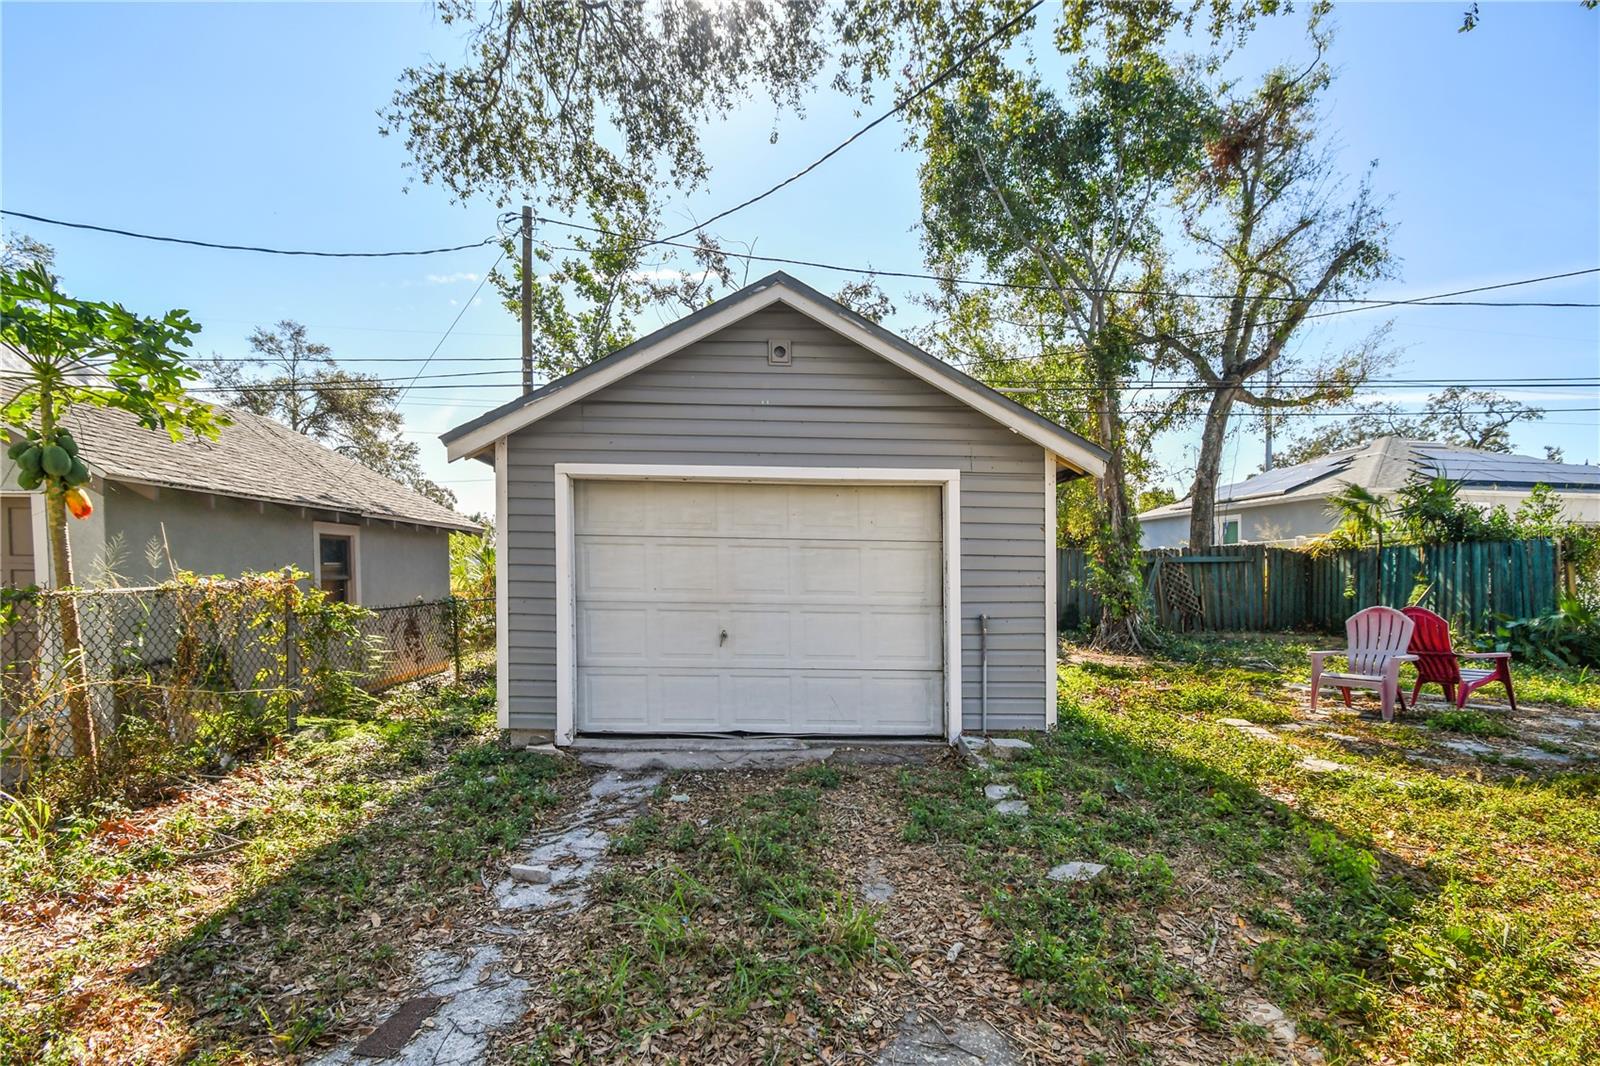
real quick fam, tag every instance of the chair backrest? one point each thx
(1430, 642)
(1374, 635)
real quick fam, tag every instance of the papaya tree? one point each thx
(64, 352)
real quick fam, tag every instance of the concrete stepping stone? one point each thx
(1315, 765)
(1011, 807)
(1075, 872)
(996, 793)
(875, 887)
(961, 1042)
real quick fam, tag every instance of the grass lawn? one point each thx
(244, 916)
(1424, 891)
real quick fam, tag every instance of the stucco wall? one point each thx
(229, 537)
(235, 536)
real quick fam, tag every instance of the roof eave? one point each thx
(473, 437)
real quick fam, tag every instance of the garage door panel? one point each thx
(687, 701)
(903, 640)
(686, 634)
(763, 701)
(681, 508)
(903, 574)
(899, 704)
(615, 700)
(828, 638)
(755, 570)
(754, 511)
(610, 507)
(830, 571)
(759, 636)
(830, 598)
(830, 703)
(824, 513)
(611, 566)
(613, 636)
(684, 567)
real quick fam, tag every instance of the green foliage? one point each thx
(136, 361)
(1470, 722)
(472, 563)
(1568, 636)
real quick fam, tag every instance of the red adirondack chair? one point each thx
(1440, 664)
(1377, 638)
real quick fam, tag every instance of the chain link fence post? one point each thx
(455, 635)
(291, 651)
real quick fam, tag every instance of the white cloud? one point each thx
(452, 279)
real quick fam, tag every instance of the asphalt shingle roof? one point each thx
(255, 458)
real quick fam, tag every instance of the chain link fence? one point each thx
(204, 668)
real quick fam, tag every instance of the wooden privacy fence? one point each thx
(1241, 587)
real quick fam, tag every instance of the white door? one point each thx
(709, 607)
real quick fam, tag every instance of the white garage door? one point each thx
(705, 607)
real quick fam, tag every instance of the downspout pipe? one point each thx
(983, 673)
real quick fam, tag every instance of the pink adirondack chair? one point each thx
(1378, 638)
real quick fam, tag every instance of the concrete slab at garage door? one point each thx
(760, 608)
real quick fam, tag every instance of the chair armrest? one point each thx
(1392, 664)
(1483, 655)
(1318, 656)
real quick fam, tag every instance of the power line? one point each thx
(1019, 286)
(905, 102)
(247, 247)
(452, 325)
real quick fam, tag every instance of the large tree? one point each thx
(1266, 214)
(71, 352)
(296, 380)
(1056, 196)
(594, 110)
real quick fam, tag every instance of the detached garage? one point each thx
(774, 517)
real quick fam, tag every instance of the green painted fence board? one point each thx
(1245, 587)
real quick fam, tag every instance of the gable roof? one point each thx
(1385, 464)
(255, 458)
(471, 438)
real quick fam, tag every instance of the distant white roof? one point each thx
(1385, 464)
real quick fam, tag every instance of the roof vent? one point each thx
(779, 353)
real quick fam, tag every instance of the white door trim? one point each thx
(502, 583)
(1052, 615)
(566, 635)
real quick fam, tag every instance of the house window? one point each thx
(336, 562)
(1230, 531)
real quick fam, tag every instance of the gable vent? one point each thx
(779, 353)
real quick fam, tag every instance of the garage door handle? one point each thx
(722, 639)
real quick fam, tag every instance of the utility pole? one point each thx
(1267, 415)
(527, 299)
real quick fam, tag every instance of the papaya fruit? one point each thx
(28, 482)
(64, 439)
(55, 460)
(31, 460)
(18, 446)
(78, 503)
(79, 474)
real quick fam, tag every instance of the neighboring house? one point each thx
(774, 517)
(1290, 504)
(260, 497)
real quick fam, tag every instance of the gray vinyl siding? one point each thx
(718, 402)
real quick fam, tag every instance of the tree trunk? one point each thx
(1116, 542)
(1203, 495)
(80, 717)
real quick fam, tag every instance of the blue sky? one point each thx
(256, 124)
